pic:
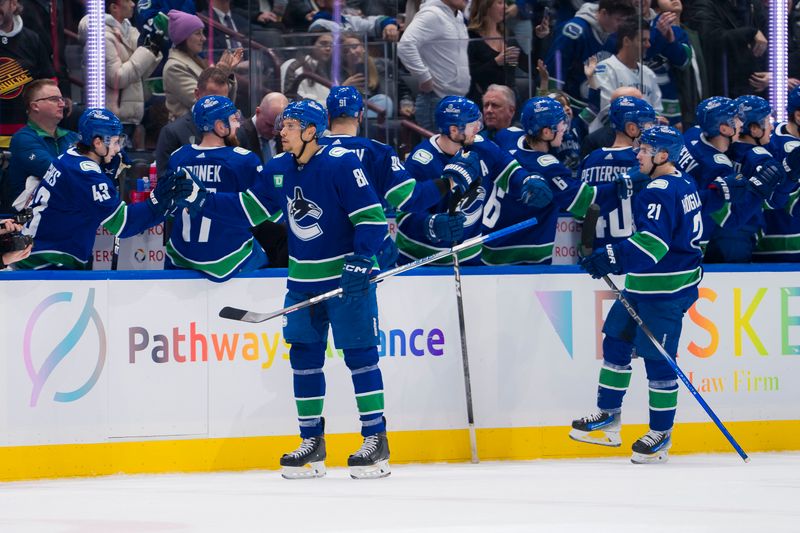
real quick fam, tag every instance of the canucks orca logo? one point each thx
(472, 205)
(300, 208)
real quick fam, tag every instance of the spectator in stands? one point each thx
(580, 38)
(127, 65)
(46, 19)
(604, 136)
(376, 27)
(36, 145)
(375, 7)
(491, 59)
(622, 70)
(24, 59)
(258, 134)
(499, 107)
(374, 86)
(237, 25)
(212, 81)
(732, 33)
(434, 50)
(318, 63)
(184, 64)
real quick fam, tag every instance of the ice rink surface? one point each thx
(691, 493)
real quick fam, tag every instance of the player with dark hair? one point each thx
(662, 263)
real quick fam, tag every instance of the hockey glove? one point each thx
(444, 227)
(765, 179)
(631, 182)
(388, 254)
(190, 192)
(464, 169)
(792, 163)
(602, 262)
(355, 276)
(118, 164)
(536, 192)
(162, 198)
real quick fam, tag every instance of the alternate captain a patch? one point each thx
(303, 216)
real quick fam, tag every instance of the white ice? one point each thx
(691, 493)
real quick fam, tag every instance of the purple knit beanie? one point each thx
(182, 25)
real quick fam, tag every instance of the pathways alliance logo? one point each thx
(65, 347)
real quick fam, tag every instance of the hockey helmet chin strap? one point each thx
(656, 165)
(305, 145)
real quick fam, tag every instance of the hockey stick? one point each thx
(587, 246)
(243, 315)
(462, 329)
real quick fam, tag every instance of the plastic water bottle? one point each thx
(153, 176)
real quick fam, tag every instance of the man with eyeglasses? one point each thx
(36, 145)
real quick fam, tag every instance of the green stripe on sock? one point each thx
(662, 400)
(309, 408)
(369, 403)
(615, 379)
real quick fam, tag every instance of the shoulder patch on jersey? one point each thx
(658, 184)
(791, 146)
(276, 156)
(722, 159)
(479, 138)
(338, 151)
(514, 128)
(241, 151)
(600, 68)
(422, 156)
(572, 30)
(547, 160)
(760, 150)
(90, 166)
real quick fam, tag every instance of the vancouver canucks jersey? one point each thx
(426, 162)
(74, 198)
(217, 250)
(396, 188)
(780, 240)
(331, 209)
(568, 153)
(605, 165)
(661, 57)
(662, 258)
(504, 208)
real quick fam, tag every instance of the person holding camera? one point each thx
(8, 252)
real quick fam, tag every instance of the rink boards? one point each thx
(134, 372)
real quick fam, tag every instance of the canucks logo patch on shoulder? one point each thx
(241, 151)
(303, 215)
(658, 184)
(546, 160)
(760, 150)
(791, 146)
(90, 166)
(422, 156)
(722, 159)
(572, 30)
(338, 151)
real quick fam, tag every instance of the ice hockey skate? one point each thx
(371, 461)
(652, 448)
(597, 428)
(307, 461)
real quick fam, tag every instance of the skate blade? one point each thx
(600, 437)
(309, 471)
(376, 471)
(650, 459)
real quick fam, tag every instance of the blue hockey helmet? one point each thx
(209, 109)
(752, 109)
(308, 113)
(663, 138)
(793, 101)
(631, 109)
(714, 112)
(542, 112)
(456, 111)
(344, 101)
(98, 122)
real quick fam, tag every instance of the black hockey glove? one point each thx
(190, 191)
(444, 227)
(388, 254)
(602, 262)
(464, 169)
(536, 192)
(765, 179)
(355, 276)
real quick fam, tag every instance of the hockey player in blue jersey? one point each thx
(750, 157)
(544, 122)
(218, 251)
(336, 227)
(76, 196)
(629, 116)
(780, 239)
(458, 150)
(396, 188)
(661, 261)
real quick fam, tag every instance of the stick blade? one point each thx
(242, 315)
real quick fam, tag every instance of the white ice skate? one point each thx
(598, 428)
(652, 448)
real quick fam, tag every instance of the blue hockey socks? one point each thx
(368, 385)
(663, 403)
(309, 386)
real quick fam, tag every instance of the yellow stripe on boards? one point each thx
(249, 453)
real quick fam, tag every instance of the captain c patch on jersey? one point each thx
(303, 215)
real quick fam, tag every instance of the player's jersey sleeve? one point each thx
(251, 207)
(401, 190)
(653, 212)
(572, 194)
(361, 204)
